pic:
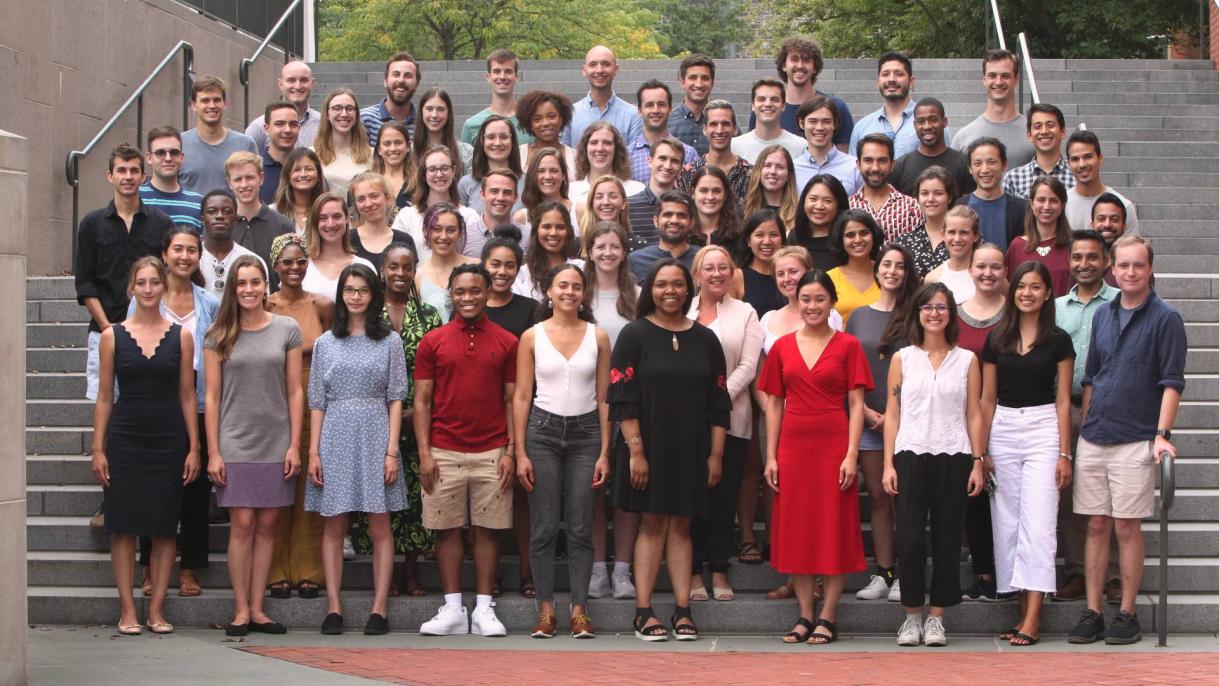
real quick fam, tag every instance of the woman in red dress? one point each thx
(812, 448)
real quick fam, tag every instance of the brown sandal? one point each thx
(784, 592)
(146, 583)
(188, 585)
(413, 589)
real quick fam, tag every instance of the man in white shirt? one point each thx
(219, 215)
(767, 98)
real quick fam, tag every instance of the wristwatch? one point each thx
(1166, 433)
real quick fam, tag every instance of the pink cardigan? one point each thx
(740, 335)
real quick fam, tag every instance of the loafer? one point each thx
(377, 625)
(1074, 589)
(268, 628)
(332, 625)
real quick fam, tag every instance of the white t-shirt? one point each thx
(216, 272)
(524, 281)
(1079, 210)
(749, 146)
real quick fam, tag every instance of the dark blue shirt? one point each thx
(642, 260)
(271, 171)
(1128, 369)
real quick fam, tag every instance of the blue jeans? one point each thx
(564, 451)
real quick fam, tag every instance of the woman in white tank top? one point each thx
(564, 437)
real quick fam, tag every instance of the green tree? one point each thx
(709, 27)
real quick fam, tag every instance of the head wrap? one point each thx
(280, 242)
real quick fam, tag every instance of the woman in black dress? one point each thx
(670, 449)
(145, 444)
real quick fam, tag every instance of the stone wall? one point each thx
(67, 65)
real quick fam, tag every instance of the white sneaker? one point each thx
(911, 633)
(876, 589)
(933, 632)
(484, 622)
(895, 591)
(349, 550)
(447, 622)
(623, 588)
(599, 583)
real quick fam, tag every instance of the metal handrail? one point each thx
(243, 70)
(72, 163)
(994, 12)
(1027, 59)
(1168, 492)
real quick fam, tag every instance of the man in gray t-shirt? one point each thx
(1000, 120)
(209, 144)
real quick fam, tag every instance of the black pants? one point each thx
(979, 536)
(196, 499)
(712, 535)
(932, 485)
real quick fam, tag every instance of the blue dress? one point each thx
(352, 380)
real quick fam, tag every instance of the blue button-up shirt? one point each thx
(904, 137)
(838, 164)
(1075, 317)
(1128, 369)
(618, 112)
(641, 151)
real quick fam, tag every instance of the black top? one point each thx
(516, 316)
(1029, 380)
(818, 248)
(761, 291)
(910, 165)
(375, 257)
(105, 251)
(258, 232)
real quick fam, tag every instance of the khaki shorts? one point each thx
(1114, 480)
(467, 492)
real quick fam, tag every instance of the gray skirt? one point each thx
(256, 484)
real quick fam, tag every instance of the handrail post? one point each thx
(1027, 58)
(243, 69)
(1168, 491)
(994, 10)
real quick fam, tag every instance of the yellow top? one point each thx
(849, 297)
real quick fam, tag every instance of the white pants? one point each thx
(1024, 508)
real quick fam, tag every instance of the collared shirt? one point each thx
(688, 129)
(309, 123)
(374, 117)
(640, 151)
(478, 233)
(1075, 317)
(271, 171)
(618, 112)
(899, 215)
(839, 164)
(642, 260)
(641, 208)
(469, 362)
(1129, 367)
(904, 137)
(738, 177)
(182, 207)
(105, 251)
(1020, 180)
(256, 233)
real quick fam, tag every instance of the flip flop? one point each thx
(1028, 640)
(749, 554)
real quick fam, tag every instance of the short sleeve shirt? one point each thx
(1029, 380)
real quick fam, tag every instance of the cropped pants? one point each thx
(1024, 448)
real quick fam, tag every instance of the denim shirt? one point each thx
(1128, 369)
(206, 305)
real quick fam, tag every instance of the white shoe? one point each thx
(349, 550)
(933, 632)
(623, 588)
(599, 583)
(876, 589)
(911, 633)
(447, 622)
(895, 591)
(483, 622)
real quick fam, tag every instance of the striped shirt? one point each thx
(374, 117)
(899, 215)
(182, 206)
(1019, 181)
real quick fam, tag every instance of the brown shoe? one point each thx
(1113, 591)
(582, 627)
(188, 585)
(545, 626)
(1074, 589)
(146, 582)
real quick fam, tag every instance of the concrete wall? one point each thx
(66, 66)
(14, 157)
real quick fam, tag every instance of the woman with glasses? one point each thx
(434, 184)
(341, 143)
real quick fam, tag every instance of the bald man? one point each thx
(602, 103)
(295, 85)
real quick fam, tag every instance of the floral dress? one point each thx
(407, 526)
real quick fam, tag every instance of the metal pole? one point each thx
(188, 68)
(139, 120)
(74, 177)
(1168, 492)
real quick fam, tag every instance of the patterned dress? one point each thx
(407, 526)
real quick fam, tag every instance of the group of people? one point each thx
(367, 332)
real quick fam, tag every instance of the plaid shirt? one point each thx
(738, 178)
(1020, 180)
(899, 215)
(640, 150)
(688, 129)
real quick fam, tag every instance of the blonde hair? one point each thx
(798, 252)
(243, 157)
(313, 238)
(755, 197)
(735, 289)
(147, 261)
(1133, 239)
(589, 219)
(361, 151)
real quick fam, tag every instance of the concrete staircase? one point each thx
(1159, 124)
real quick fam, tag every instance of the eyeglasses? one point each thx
(343, 109)
(938, 308)
(442, 169)
(351, 291)
(172, 153)
(298, 262)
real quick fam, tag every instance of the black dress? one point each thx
(677, 396)
(761, 291)
(146, 441)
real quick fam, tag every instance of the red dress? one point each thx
(815, 527)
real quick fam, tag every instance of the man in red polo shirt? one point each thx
(465, 375)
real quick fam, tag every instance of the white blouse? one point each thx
(566, 387)
(933, 403)
(319, 284)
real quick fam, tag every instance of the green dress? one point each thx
(407, 525)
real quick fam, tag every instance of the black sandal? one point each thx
(280, 589)
(749, 554)
(816, 639)
(1025, 640)
(308, 588)
(794, 636)
(643, 632)
(685, 631)
(1007, 634)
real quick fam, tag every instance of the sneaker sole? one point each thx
(651, 639)
(906, 643)
(1059, 599)
(491, 635)
(584, 634)
(541, 634)
(1123, 641)
(936, 644)
(455, 631)
(623, 596)
(685, 637)
(1083, 640)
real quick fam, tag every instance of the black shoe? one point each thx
(280, 591)
(1123, 630)
(1008, 597)
(332, 625)
(268, 628)
(377, 625)
(237, 629)
(1089, 629)
(982, 589)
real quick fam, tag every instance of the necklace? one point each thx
(675, 345)
(1044, 250)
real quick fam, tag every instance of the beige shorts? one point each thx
(467, 492)
(1114, 480)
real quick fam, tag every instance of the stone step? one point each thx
(1198, 310)
(58, 440)
(1176, 211)
(1202, 361)
(1202, 334)
(55, 311)
(1185, 287)
(46, 385)
(1156, 163)
(1160, 228)
(59, 412)
(1161, 193)
(50, 288)
(56, 334)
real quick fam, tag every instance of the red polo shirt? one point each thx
(469, 362)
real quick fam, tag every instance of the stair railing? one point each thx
(1027, 60)
(1168, 491)
(243, 70)
(996, 23)
(72, 163)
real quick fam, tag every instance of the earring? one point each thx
(549, 304)
(581, 308)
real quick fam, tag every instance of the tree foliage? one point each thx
(709, 27)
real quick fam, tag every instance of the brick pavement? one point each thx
(438, 667)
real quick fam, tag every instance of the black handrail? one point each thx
(72, 163)
(1168, 492)
(244, 69)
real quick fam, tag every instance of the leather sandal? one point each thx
(699, 593)
(794, 636)
(280, 589)
(749, 554)
(188, 585)
(308, 588)
(783, 592)
(816, 639)
(527, 589)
